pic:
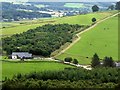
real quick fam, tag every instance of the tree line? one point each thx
(17, 15)
(96, 8)
(107, 61)
(67, 78)
(41, 40)
(14, 13)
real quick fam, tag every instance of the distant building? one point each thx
(117, 64)
(21, 55)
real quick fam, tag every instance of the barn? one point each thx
(21, 55)
(117, 64)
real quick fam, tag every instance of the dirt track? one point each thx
(79, 37)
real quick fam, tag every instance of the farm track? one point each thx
(78, 34)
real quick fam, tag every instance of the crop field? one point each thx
(103, 40)
(11, 68)
(74, 5)
(40, 6)
(79, 19)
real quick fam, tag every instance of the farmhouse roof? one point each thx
(21, 54)
(117, 64)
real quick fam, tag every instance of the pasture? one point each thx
(74, 5)
(103, 40)
(9, 24)
(79, 19)
(10, 68)
(40, 6)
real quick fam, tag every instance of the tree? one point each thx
(38, 41)
(22, 59)
(33, 85)
(75, 61)
(93, 19)
(68, 59)
(108, 62)
(95, 8)
(117, 7)
(95, 61)
(111, 7)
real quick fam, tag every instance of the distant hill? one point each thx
(14, 0)
(20, 11)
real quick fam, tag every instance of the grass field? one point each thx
(79, 19)
(19, 29)
(11, 68)
(40, 6)
(103, 40)
(74, 5)
(9, 24)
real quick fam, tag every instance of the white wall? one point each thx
(14, 57)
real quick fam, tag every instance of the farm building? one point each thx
(21, 55)
(117, 64)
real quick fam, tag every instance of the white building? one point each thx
(21, 55)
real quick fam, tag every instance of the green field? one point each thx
(9, 24)
(103, 40)
(74, 5)
(79, 19)
(11, 68)
(40, 6)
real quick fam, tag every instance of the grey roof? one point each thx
(21, 54)
(118, 64)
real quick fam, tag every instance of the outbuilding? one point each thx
(21, 55)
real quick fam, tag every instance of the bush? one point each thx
(95, 8)
(93, 19)
(95, 60)
(75, 61)
(68, 59)
(108, 62)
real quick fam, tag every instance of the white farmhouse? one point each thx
(21, 55)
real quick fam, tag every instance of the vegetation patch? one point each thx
(42, 40)
(68, 78)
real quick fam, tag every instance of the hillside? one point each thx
(23, 26)
(41, 40)
(103, 40)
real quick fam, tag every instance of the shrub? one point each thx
(68, 59)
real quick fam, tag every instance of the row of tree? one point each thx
(16, 11)
(69, 59)
(95, 8)
(17, 15)
(107, 61)
(68, 78)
